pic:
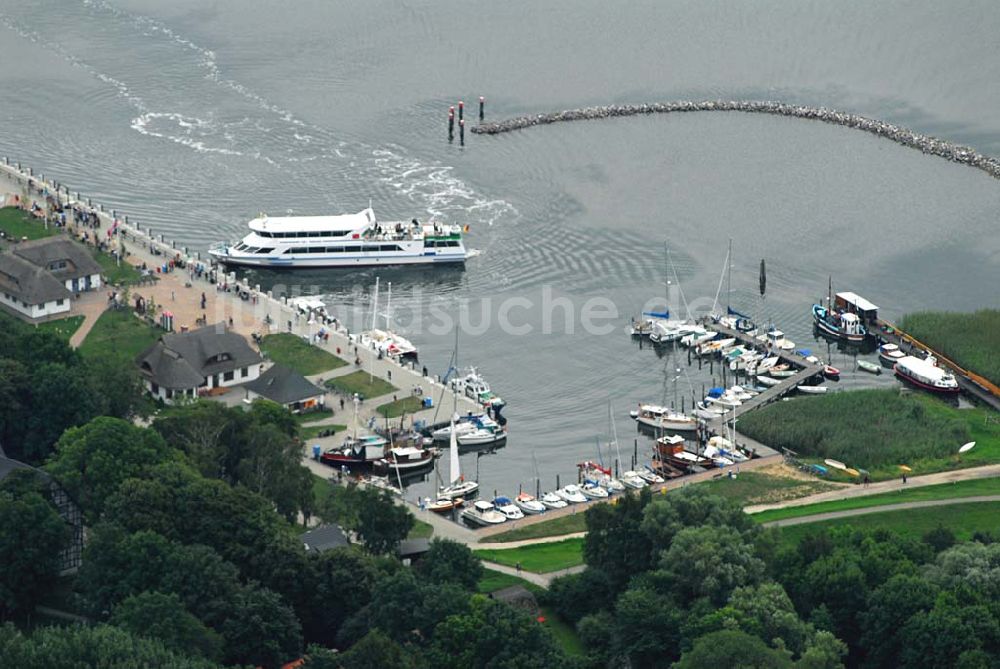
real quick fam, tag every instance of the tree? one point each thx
(575, 595)
(692, 507)
(824, 651)
(374, 651)
(337, 584)
(382, 523)
(939, 637)
(117, 387)
(15, 393)
(163, 617)
(764, 611)
(730, 648)
(451, 562)
(493, 635)
(940, 538)
(647, 627)
(265, 412)
(61, 397)
(408, 608)
(888, 609)
(31, 536)
(973, 564)
(102, 646)
(709, 562)
(92, 461)
(262, 630)
(271, 466)
(615, 542)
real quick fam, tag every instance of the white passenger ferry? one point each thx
(347, 240)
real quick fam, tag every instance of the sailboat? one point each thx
(733, 319)
(664, 418)
(457, 485)
(386, 342)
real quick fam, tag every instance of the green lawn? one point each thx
(312, 416)
(962, 519)
(878, 430)
(120, 334)
(407, 405)
(574, 522)
(539, 558)
(62, 328)
(903, 494)
(17, 224)
(421, 530)
(494, 580)
(312, 431)
(295, 352)
(970, 339)
(114, 273)
(361, 382)
(761, 488)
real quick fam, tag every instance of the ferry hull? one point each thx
(320, 263)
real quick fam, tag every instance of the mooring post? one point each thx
(461, 132)
(461, 110)
(451, 123)
(482, 107)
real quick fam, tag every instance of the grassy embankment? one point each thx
(294, 352)
(970, 339)
(119, 334)
(942, 491)
(18, 224)
(538, 558)
(878, 430)
(408, 405)
(62, 328)
(962, 519)
(362, 383)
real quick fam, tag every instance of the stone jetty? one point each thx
(924, 143)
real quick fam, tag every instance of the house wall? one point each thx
(169, 397)
(35, 310)
(253, 371)
(95, 283)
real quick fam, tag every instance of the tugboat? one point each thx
(355, 453)
(840, 325)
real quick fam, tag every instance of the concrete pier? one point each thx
(903, 136)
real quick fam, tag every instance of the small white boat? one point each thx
(459, 489)
(475, 387)
(664, 418)
(776, 338)
(782, 373)
(507, 507)
(528, 504)
(483, 514)
(713, 453)
(924, 373)
(836, 464)
(649, 476)
(727, 449)
(767, 381)
(714, 346)
(869, 367)
(666, 331)
(553, 501)
(890, 354)
(482, 436)
(444, 504)
(612, 485)
(812, 390)
(696, 338)
(572, 494)
(632, 480)
(594, 491)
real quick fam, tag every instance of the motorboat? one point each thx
(698, 337)
(725, 400)
(355, 452)
(553, 501)
(483, 514)
(649, 476)
(601, 475)
(776, 339)
(839, 324)
(572, 494)
(475, 387)
(714, 346)
(667, 331)
(890, 354)
(506, 506)
(631, 479)
(483, 436)
(387, 343)
(812, 390)
(675, 454)
(716, 456)
(528, 504)
(407, 458)
(445, 504)
(667, 443)
(611, 484)
(593, 490)
(664, 418)
(782, 373)
(462, 488)
(869, 367)
(345, 240)
(926, 374)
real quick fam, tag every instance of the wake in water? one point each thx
(204, 123)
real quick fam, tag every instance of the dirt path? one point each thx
(834, 515)
(541, 580)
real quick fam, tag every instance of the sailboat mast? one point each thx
(729, 288)
(388, 309)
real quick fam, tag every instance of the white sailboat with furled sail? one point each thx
(457, 485)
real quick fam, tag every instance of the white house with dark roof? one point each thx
(69, 262)
(29, 290)
(286, 387)
(188, 364)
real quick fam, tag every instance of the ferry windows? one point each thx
(369, 249)
(300, 249)
(264, 250)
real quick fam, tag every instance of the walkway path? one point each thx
(541, 580)
(90, 306)
(970, 474)
(834, 515)
(529, 542)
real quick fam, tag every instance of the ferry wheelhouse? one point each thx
(347, 240)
